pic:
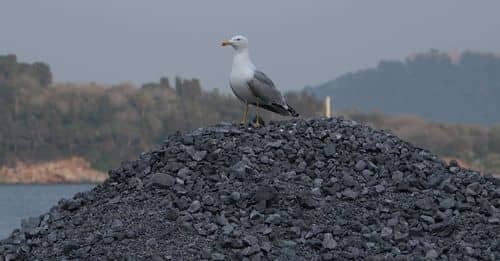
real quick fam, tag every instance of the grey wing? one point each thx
(263, 88)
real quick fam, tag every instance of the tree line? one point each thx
(42, 120)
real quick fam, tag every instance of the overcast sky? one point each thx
(296, 43)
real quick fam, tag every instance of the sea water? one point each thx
(22, 201)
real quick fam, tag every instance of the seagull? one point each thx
(252, 86)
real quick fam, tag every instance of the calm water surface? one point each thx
(22, 201)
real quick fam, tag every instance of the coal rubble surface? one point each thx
(294, 190)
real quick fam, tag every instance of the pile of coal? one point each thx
(294, 190)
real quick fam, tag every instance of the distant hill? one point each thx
(461, 88)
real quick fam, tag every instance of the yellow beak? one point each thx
(226, 42)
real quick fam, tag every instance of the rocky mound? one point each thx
(294, 190)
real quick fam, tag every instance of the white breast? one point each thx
(241, 72)
(238, 81)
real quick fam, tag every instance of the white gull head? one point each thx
(238, 42)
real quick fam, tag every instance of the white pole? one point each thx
(328, 110)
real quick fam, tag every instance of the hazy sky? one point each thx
(296, 43)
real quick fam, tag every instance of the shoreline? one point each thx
(72, 170)
(48, 184)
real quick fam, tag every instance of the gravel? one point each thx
(294, 190)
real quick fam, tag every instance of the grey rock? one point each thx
(265, 193)
(367, 172)
(218, 256)
(30, 225)
(328, 241)
(469, 250)
(330, 150)
(255, 214)
(248, 251)
(151, 243)
(251, 240)
(317, 182)
(266, 246)
(350, 194)
(431, 254)
(195, 206)
(425, 203)
(162, 180)
(195, 155)
(427, 219)
(348, 180)
(172, 214)
(221, 220)
(241, 168)
(449, 187)
(379, 188)
(393, 221)
(360, 165)
(327, 256)
(494, 220)
(116, 224)
(307, 201)
(227, 229)
(108, 240)
(287, 244)
(397, 176)
(208, 200)
(71, 205)
(273, 219)
(302, 166)
(473, 189)
(70, 246)
(52, 237)
(316, 192)
(398, 236)
(386, 232)
(11, 257)
(496, 193)
(447, 203)
(184, 173)
(235, 196)
(157, 258)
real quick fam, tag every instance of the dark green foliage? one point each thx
(494, 139)
(8, 67)
(429, 85)
(164, 83)
(11, 70)
(188, 89)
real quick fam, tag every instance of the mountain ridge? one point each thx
(434, 85)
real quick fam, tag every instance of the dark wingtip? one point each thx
(280, 109)
(292, 112)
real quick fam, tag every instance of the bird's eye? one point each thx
(237, 39)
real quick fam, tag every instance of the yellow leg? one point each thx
(257, 124)
(245, 114)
